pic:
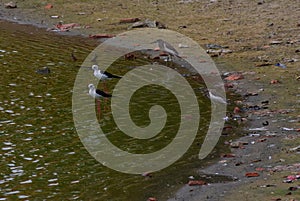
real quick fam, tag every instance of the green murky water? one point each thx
(42, 157)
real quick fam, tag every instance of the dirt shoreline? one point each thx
(254, 55)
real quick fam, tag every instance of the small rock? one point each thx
(54, 16)
(235, 144)
(129, 20)
(260, 2)
(263, 64)
(275, 42)
(10, 5)
(182, 27)
(266, 123)
(102, 36)
(214, 46)
(129, 56)
(293, 188)
(228, 155)
(152, 199)
(147, 23)
(274, 82)
(147, 174)
(261, 140)
(43, 71)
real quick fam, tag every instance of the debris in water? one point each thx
(43, 71)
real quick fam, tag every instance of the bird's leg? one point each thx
(106, 91)
(99, 108)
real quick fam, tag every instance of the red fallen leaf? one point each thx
(252, 174)
(102, 35)
(298, 130)
(129, 20)
(49, 6)
(236, 110)
(236, 76)
(260, 169)
(291, 177)
(152, 199)
(261, 140)
(274, 82)
(196, 183)
(228, 155)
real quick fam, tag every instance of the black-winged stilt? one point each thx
(103, 75)
(98, 94)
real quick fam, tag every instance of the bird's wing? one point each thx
(102, 93)
(109, 75)
(169, 46)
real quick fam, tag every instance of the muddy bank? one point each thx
(259, 35)
(264, 149)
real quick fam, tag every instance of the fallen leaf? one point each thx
(235, 76)
(197, 183)
(252, 174)
(49, 6)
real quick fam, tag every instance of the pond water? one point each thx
(42, 157)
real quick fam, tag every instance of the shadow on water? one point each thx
(41, 154)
